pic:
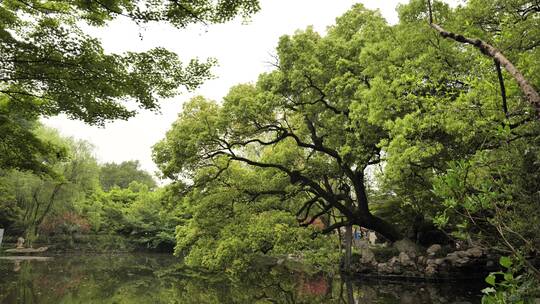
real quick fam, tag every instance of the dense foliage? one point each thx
(396, 128)
(71, 205)
(392, 128)
(121, 175)
(231, 223)
(49, 65)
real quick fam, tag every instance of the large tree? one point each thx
(368, 93)
(481, 177)
(310, 120)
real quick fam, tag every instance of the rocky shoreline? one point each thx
(435, 263)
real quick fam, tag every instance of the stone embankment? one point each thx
(434, 263)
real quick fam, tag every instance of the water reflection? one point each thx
(160, 279)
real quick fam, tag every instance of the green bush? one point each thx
(514, 285)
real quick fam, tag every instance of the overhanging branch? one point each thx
(487, 49)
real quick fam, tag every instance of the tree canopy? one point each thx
(368, 95)
(431, 122)
(51, 66)
(123, 174)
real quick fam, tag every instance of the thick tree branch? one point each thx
(306, 207)
(487, 49)
(295, 177)
(322, 98)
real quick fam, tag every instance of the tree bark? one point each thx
(381, 226)
(348, 248)
(350, 291)
(364, 216)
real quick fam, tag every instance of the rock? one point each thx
(475, 252)
(452, 258)
(397, 269)
(405, 260)
(430, 271)
(461, 254)
(433, 249)
(462, 261)
(368, 257)
(406, 246)
(372, 237)
(384, 268)
(421, 260)
(457, 258)
(438, 261)
(393, 261)
(490, 264)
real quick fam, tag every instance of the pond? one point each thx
(146, 278)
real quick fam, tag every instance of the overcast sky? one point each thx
(242, 50)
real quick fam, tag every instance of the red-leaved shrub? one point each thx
(65, 223)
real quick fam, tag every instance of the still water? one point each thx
(161, 279)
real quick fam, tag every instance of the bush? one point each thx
(513, 285)
(65, 223)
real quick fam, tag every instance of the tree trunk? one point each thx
(350, 291)
(381, 226)
(348, 248)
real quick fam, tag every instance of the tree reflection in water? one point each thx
(161, 279)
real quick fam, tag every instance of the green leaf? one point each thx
(488, 290)
(508, 277)
(505, 262)
(490, 279)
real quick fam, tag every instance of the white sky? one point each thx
(242, 50)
